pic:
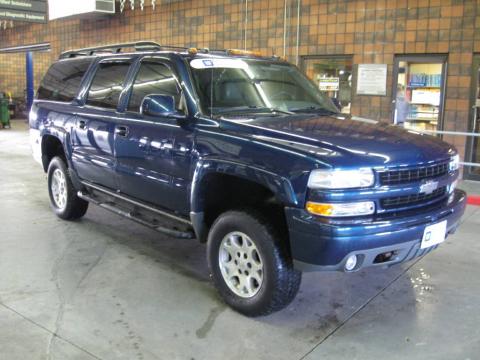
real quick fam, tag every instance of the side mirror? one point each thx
(160, 105)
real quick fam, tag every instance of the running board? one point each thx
(135, 216)
(126, 199)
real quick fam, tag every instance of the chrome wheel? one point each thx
(241, 264)
(59, 189)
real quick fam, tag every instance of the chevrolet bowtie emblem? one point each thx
(428, 187)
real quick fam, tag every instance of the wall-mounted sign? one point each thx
(372, 79)
(24, 10)
(329, 84)
(85, 8)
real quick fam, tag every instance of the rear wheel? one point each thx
(63, 198)
(250, 264)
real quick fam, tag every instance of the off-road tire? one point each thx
(280, 280)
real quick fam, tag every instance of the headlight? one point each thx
(341, 209)
(341, 179)
(454, 163)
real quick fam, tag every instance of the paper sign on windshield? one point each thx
(218, 63)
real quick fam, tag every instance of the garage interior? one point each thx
(107, 288)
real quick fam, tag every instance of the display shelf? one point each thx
(423, 87)
(432, 121)
(420, 103)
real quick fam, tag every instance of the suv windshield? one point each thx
(237, 86)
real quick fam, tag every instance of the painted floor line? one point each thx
(473, 200)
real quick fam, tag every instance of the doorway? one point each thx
(419, 91)
(473, 143)
(333, 76)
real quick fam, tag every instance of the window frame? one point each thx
(339, 57)
(84, 94)
(80, 86)
(421, 59)
(129, 88)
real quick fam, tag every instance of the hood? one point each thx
(339, 141)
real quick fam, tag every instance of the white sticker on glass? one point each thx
(218, 63)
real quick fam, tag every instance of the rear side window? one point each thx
(153, 78)
(108, 84)
(62, 80)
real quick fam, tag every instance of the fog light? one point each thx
(351, 263)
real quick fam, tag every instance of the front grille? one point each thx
(394, 177)
(414, 199)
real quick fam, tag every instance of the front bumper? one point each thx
(320, 244)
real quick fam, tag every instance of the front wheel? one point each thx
(63, 198)
(250, 264)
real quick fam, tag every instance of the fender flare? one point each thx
(62, 136)
(278, 185)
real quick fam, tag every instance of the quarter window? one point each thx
(62, 81)
(153, 78)
(107, 84)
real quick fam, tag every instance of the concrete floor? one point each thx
(107, 288)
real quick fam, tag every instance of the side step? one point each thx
(135, 216)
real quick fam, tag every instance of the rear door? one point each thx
(154, 155)
(93, 143)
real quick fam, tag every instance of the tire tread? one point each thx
(287, 279)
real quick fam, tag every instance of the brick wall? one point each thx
(373, 31)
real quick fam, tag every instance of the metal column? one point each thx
(30, 86)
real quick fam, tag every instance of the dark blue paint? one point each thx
(326, 243)
(30, 78)
(166, 160)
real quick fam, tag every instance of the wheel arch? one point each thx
(221, 185)
(51, 146)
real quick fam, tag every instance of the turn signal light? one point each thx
(341, 209)
(319, 209)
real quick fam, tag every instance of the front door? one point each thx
(473, 142)
(153, 155)
(93, 139)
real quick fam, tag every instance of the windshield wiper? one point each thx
(310, 109)
(251, 109)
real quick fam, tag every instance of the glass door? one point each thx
(418, 92)
(473, 143)
(333, 76)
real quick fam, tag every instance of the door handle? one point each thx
(121, 130)
(164, 145)
(82, 124)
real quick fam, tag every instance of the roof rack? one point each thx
(117, 48)
(153, 46)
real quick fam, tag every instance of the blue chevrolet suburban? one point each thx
(244, 153)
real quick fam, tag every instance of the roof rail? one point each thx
(117, 48)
